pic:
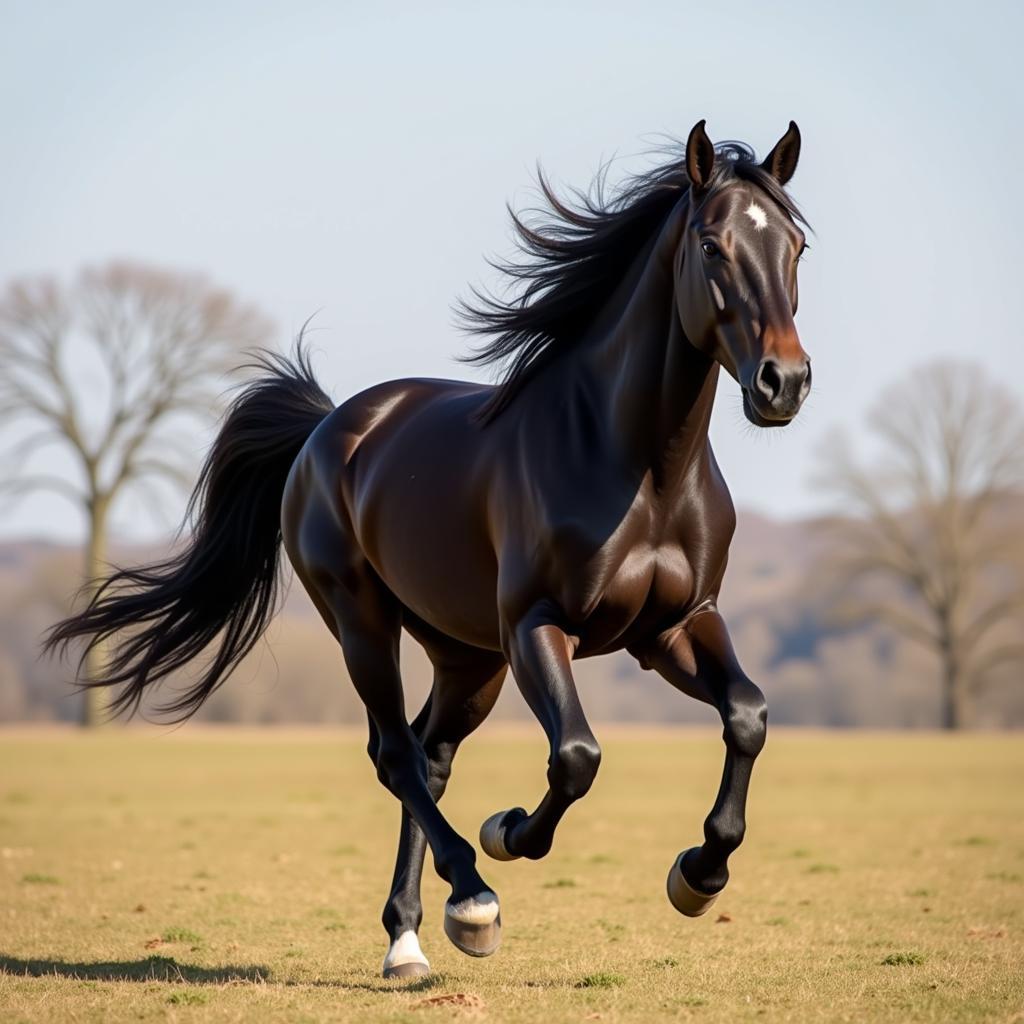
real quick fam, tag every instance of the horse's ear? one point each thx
(781, 162)
(700, 157)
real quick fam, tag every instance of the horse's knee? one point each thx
(574, 767)
(745, 718)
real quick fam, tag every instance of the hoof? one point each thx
(402, 972)
(405, 959)
(687, 900)
(493, 830)
(474, 925)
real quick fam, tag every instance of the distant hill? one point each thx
(813, 672)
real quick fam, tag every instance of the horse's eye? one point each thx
(709, 249)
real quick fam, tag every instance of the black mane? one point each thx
(573, 260)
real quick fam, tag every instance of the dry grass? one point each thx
(239, 877)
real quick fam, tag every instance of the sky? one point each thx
(353, 161)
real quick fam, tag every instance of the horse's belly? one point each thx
(445, 581)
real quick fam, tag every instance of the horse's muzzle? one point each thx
(777, 391)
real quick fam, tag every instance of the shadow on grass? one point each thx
(152, 968)
(166, 968)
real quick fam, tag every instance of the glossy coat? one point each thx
(579, 512)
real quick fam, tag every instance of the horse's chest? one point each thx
(619, 578)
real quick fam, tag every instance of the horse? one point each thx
(571, 509)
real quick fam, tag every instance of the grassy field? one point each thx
(219, 876)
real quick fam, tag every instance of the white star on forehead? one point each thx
(757, 215)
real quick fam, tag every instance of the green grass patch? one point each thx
(903, 960)
(344, 850)
(37, 878)
(601, 979)
(978, 841)
(187, 998)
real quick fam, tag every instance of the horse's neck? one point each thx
(653, 388)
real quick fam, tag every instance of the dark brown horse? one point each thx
(573, 510)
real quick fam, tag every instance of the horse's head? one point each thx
(736, 269)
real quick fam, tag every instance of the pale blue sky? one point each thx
(308, 154)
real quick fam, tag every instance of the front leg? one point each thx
(540, 653)
(698, 659)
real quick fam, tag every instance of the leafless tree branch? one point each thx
(163, 341)
(923, 516)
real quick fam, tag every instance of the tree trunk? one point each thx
(949, 705)
(954, 698)
(94, 713)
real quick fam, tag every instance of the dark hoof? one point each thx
(687, 900)
(474, 925)
(494, 830)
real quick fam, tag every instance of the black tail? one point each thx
(225, 582)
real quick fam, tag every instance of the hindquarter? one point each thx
(406, 472)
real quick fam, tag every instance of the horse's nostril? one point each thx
(768, 379)
(805, 387)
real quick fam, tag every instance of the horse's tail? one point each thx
(224, 583)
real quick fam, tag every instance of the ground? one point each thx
(238, 876)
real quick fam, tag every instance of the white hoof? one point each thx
(687, 900)
(492, 835)
(474, 925)
(405, 959)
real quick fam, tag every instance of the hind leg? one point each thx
(466, 685)
(367, 619)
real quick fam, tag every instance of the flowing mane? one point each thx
(571, 261)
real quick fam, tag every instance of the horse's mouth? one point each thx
(755, 416)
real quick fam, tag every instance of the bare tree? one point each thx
(114, 370)
(926, 532)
